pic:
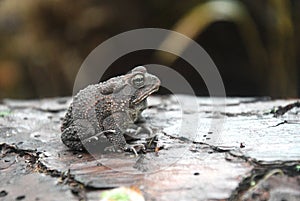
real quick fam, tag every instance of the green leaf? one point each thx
(298, 168)
(116, 196)
(5, 113)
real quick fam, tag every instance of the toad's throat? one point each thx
(145, 95)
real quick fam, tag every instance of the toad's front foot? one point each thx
(133, 148)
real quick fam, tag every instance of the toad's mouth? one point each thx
(145, 95)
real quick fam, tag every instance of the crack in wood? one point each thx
(65, 178)
(281, 110)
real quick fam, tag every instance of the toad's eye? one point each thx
(138, 81)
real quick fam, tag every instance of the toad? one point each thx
(109, 110)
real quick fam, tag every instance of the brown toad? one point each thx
(108, 109)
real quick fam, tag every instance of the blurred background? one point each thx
(255, 44)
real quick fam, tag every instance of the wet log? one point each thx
(206, 150)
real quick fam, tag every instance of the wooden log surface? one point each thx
(240, 149)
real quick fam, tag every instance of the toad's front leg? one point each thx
(118, 122)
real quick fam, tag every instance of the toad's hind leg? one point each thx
(71, 139)
(76, 134)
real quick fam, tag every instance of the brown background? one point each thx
(254, 44)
